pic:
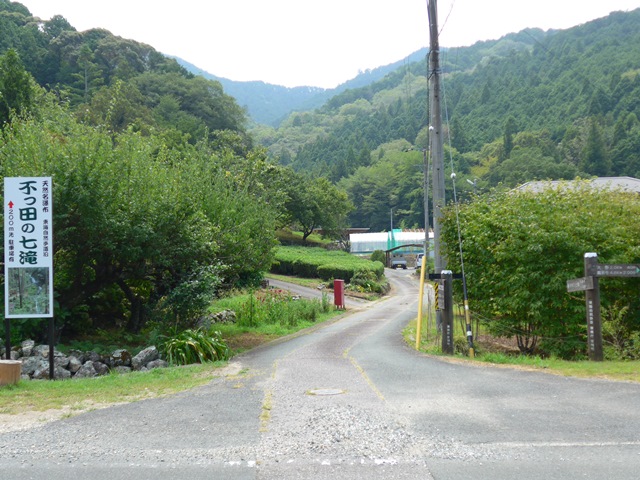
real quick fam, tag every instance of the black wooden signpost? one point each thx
(590, 284)
(445, 278)
(447, 313)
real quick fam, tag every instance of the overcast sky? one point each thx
(312, 42)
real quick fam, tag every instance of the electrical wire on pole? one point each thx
(467, 312)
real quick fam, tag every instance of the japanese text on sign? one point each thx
(28, 247)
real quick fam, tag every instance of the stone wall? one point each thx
(76, 364)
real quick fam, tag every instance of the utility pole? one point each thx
(425, 185)
(437, 156)
(435, 134)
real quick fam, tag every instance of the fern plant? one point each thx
(195, 346)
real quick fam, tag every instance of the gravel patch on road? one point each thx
(350, 432)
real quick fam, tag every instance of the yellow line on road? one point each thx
(267, 403)
(265, 415)
(364, 375)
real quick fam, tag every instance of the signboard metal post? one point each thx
(28, 251)
(7, 339)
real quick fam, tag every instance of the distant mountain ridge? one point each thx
(269, 104)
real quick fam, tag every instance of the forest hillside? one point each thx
(532, 105)
(161, 202)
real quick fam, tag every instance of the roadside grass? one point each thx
(610, 370)
(83, 394)
(303, 282)
(242, 338)
(263, 316)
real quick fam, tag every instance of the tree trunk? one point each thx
(136, 316)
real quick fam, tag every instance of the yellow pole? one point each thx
(423, 269)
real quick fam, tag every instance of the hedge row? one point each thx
(325, 264)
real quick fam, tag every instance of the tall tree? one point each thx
(510, 129)
(56, 26)
(16, 86)
(594, 158)
(458, 137)
(317, 203)
(90, 76)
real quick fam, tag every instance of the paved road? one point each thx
(350, 400)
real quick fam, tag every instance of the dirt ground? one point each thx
(248, 340)
(27, 420)
(497, 344)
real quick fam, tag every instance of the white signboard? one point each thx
(28, 247)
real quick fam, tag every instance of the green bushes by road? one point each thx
(321, 263)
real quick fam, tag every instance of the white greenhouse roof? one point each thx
(369, 242)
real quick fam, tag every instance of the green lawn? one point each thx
(82, 394)
(610, 370)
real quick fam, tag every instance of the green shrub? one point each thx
(331, 271)
(520, 247)
(632, 349)
(377, 268)
(366, 281)
(378, 256)
(273, 307)
(326, 304)
(195, 346)
(620, 341)
(262, 307)
(308, 310)
(190, 299)
(249, 314)
(325, 264)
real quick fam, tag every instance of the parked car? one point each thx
(399, 262)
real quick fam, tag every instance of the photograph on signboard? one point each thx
(29, 291)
